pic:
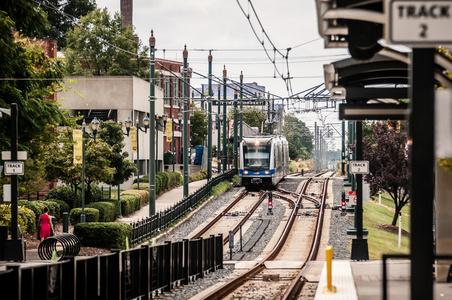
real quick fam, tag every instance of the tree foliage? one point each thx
(34, 78)
(62, 15)
(198, 126)
(387, 153)
(111, 133)
(298, 136)
(101, 45)
(59, 158)
(252, 116)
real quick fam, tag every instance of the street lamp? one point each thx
(128, 124)
(94, 128)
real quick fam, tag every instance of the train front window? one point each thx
(256, 157)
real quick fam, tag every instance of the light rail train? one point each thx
(264, 160)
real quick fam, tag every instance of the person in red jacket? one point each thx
(45, 225)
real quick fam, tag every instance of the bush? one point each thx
(173, 179)
(198, 176)
(64, 207)
(130, 203)
(106, 210)
(36, 206)
(144, 186)
(109, 235)
(91, 214)
(220, 188)
(116, 204)
(63, 193)
(144, 178)
(26, 218)
(144, 195)
(235, 179)
(164, 177)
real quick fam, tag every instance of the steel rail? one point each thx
(224, 290)
(219, 216)
(299, 281)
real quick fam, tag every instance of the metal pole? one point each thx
(14, 178)
(157, 166)
(82, 215)
(236, 119)
(138, 154)
(241, 107)
(224, 120)
(152, 131)
(185, 97)
(343, 149)
(209, 121)
(422, 187)
(219, 131)
(174, 144)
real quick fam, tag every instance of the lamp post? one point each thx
(94, 127)
(151, 121)
(219, 131)
(224, 118)
(185, 96)
(128, 124)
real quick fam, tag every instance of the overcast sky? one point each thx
(223, 27)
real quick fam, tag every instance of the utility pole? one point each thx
(209, 121)
(152, 131)
(185, 95)
(241, 107)
(225, 148)
(235, 129)
(219, 131)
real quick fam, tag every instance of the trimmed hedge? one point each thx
(108, 235)
(91, 215)
(116, 204)
(65, 193)
(64, 207)
(129, 203)
(144, 178)
(144, 195)
(106, 210)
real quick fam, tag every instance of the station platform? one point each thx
(362, 280)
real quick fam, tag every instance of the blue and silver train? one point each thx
(264, 160)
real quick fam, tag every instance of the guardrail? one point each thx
(143, 230)
(140, 273)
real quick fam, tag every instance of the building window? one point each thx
(167, 91)
(101, 114)
(176, 91)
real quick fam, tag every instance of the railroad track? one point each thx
(277, 284)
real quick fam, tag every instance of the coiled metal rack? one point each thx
(69, 242)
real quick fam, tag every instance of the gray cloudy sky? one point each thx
(223, 27)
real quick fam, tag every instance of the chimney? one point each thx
(126, 12)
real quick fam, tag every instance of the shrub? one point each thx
(26, 218)
(64, 207)
(130, 203)
(91, 214)
(164, 177)
(144, 178)
(144, 195)
(158, 185)
(235, 179)
(172, 179)
(220, 188)
(36, 206)
(198, 176)
(144, 186)
(108, 235)
(106, 210)
(291, 168)
(63, 193)
(116, 204)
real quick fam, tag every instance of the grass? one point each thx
(382, 241)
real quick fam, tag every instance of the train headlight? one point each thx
(267, 172)
(245, 172)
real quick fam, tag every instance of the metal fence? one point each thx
(143, 230)
(140, 273)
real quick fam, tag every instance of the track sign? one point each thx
(359, 167)
(419, 23)
(14, 168)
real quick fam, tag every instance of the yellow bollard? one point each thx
(330, 288)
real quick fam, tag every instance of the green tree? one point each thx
(101, 45)
(299, 136)
(34, 78)
(198, 126)
(59, 158)
(252, 116)
(62, 15)
(111, 133)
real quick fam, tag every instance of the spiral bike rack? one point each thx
(69, 242)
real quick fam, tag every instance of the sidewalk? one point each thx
(164, 201)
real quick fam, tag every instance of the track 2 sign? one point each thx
(359, 167)
(417, 23)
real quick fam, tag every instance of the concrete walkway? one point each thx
(164, 201)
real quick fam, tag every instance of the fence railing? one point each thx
(143, 230)
(141, 273)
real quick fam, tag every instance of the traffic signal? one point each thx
(343, 201)
(270, 201)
